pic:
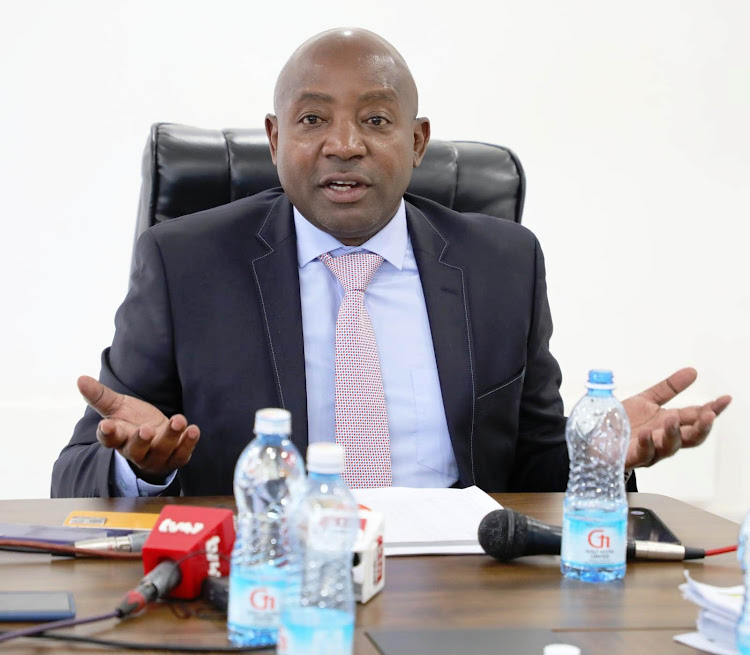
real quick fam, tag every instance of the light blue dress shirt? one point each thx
(421, 451)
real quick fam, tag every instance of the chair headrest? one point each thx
(189, 169)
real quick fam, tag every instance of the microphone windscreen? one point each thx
(200, 539)
(503, 534)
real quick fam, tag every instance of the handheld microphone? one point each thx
(196, 540)
(505, 535)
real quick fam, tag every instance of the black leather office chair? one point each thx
(188, 169)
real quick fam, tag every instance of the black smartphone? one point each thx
(36, 605)
(645, 525)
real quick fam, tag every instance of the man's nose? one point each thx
(344, 140)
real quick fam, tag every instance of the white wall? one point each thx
(630, 119)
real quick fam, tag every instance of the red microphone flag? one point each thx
(204, 533)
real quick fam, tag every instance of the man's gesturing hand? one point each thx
(154, 444)
(657, 433)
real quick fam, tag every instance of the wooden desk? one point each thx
(637, 615)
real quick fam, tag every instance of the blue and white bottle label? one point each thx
(594, 542)
(254, 600)
(313, 631)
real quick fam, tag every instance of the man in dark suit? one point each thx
(226, 314)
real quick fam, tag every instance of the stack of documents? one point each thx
(429, 521)
(717, 619)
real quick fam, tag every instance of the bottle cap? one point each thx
(325, 458)
(561, 649)
(273, 420)
(600, 379)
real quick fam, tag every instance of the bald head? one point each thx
(345, 136)
(367, 52)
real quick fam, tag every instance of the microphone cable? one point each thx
(720, 551)
(53, 625)
(159, 647)
(155, 584)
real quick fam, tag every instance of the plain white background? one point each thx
(630, 120)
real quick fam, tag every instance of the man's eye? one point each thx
(377, 120)
(311, 119)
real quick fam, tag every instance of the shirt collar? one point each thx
(389, 243)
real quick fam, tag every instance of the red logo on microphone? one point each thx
(597, 539)
(262, 601)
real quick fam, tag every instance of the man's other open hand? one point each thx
(153, 444)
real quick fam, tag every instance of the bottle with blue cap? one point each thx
(268, 478)
(318, 613)
(595, 510)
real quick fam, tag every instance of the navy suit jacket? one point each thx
(212, 327)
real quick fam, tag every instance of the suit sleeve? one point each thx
(541, 462)
(139, 363)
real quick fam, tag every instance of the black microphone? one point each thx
(505, 535)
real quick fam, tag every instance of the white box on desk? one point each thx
(369, 571)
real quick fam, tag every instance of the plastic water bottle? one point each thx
(743, 554)
(318, 611)
(595, 511)
(268, 477)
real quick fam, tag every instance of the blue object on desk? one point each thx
(36, 605)
(56, 535)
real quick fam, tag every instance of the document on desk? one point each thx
(720, 609)
(429, 521)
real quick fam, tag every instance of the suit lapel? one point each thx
(444, 289)
(277, 277)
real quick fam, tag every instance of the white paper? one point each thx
(429, 521)
(720, 600)
(717, 619)
(699, 642)
(717, 627)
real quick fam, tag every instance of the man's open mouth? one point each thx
(341, 185)
(348, 188)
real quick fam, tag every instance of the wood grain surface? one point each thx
(640, 614)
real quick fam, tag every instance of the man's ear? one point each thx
(421, 138)
(272, 132)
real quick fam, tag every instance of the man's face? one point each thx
(345, 139)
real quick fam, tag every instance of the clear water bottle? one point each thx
(268, 477)
(743, 554)
(595, 510)
(318, 611)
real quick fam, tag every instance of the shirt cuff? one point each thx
(127, 484)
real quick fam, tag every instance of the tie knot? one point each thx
(355, 270)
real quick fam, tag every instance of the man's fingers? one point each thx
(720, 404)
(695, 434)
(667, 389)
(112, 434)
(178, 423)
(138, 445)
(101, 398)
(641, 451)
(165, 441)
(669, 440)
(689, 415)
(154, 451)
(160, 450)
(185, 447)
(129, 439)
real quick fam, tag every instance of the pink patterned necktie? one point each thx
(361, 415)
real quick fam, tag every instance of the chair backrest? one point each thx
(189, 169)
